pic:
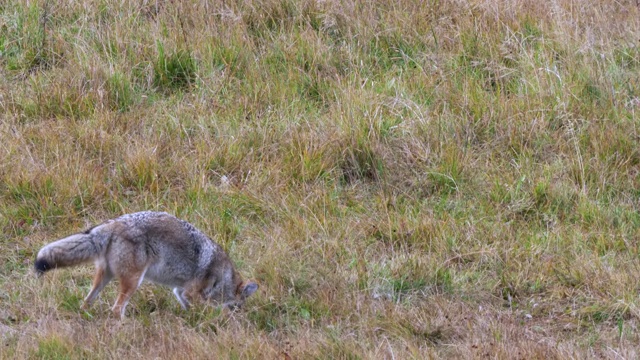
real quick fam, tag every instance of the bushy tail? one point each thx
(72, 250)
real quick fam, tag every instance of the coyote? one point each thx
(155, 246)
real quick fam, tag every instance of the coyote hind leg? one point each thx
(100, 280)
(128, 285)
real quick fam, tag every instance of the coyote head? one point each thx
(243, 291)
(231, 291)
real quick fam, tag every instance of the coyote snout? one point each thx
(152, 246)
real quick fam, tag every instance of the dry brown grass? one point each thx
(416, 179)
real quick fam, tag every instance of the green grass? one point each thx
(404, 180)
(53, 348)
(174, 71)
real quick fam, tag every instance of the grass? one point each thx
(404, 180)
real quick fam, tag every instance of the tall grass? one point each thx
(407, 179)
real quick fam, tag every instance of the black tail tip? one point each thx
(41, 266)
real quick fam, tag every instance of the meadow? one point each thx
(404, 179)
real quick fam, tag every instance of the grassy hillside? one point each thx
(404, 179)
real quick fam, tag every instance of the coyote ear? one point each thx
(248, 289)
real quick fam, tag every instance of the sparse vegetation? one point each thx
(406, 179)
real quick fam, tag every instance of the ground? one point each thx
(411, 179)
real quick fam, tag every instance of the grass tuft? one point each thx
(174, 71)
(55, 348)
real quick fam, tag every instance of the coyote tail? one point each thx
(72, 250)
